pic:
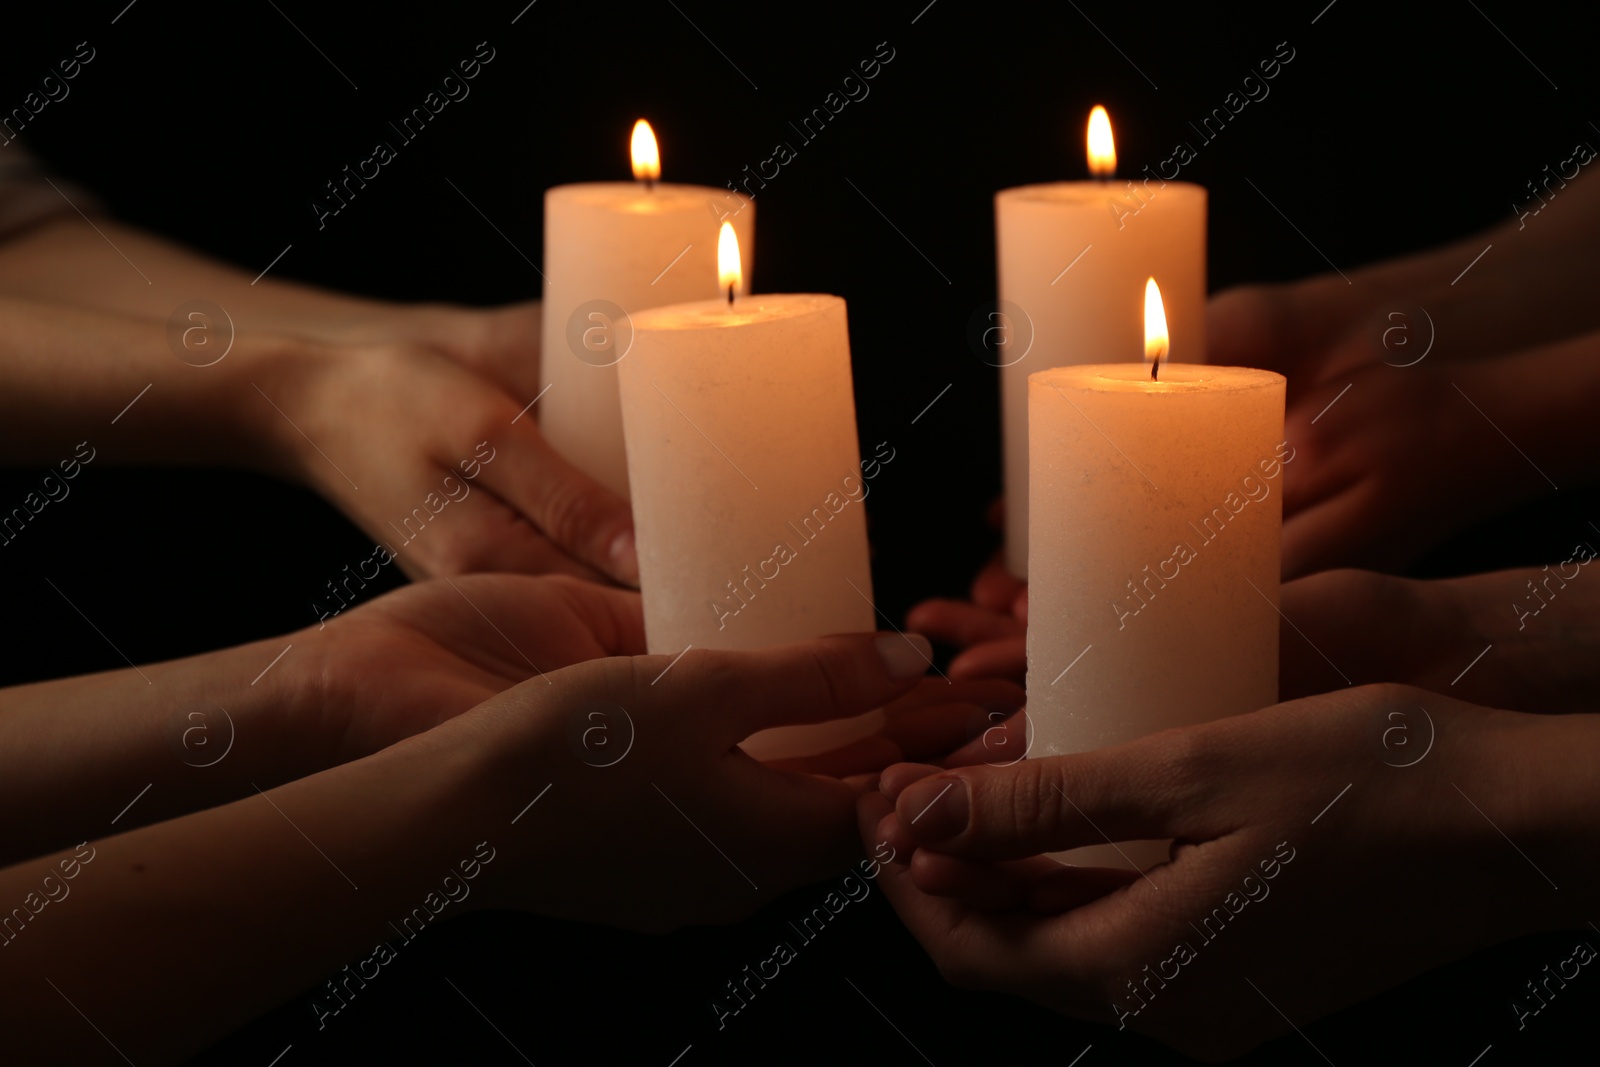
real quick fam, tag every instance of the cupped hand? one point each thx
(420, 655)
(648, 814)
(1295, 887)
(442, 465)
(1390, 462)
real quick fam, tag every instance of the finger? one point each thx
(811, 682)
(894, 780)
(1129, 792)
(580, 516)
(930, 732)
(1003, 743)
(1330, 535)
(880, 828)
(959, 623)
(1004, 886)
(481, 533)
(937, 718)
(1038, 884)
(971, 949)
(615, 616)
(1065, 888)
(1004, 658)
(995, 587)
(1249, 326)
(859, 757)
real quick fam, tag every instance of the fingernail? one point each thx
(624, 554)
(905, 655)
(934, 809)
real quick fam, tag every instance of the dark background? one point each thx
(1390, 130)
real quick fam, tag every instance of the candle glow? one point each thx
(1155, 327)
(730, 270)
(646, 153)
(1102, 148)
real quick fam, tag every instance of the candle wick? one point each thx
(649, 185)
(730, 294)
(1154, 367)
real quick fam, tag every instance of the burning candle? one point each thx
(612, 249)
(1154, 537)
(1069, 253)
(748, 496)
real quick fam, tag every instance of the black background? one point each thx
(1391, 129)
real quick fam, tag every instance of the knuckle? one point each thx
(1187, 763)
(827, 665)
(571, 513)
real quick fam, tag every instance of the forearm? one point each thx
(147, 743)
(70, 376)
(1538, 629)
(67, 261)
(294, 884)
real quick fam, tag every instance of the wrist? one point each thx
(266, 400)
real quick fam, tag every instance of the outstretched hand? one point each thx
(1288, 853)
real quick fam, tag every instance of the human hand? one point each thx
(1292, 887)
(991, 629)
(417, 656)
(1524, 639)
(1391, 461)
(500, 344)
(397, 435)
(1517, 285)
(668, 822)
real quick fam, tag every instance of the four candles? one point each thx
(1148, 505)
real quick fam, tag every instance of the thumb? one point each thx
(1127, 793)
(580, 516)
(811, 682)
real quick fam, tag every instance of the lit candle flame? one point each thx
(646, 155)
(730, 269)
(1155, 327)
(1102, 148)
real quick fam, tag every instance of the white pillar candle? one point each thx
(612, 249)
(748, 496)
(1154, 554)
(1071, 257)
